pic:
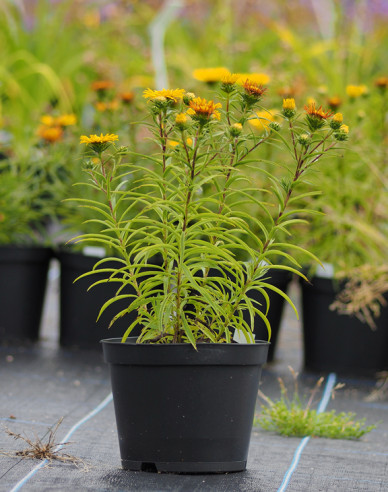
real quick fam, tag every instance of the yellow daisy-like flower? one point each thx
(172, 94)
(98, 143)
(180, 119)
(316, 116)
(261, 123)
(230, 78)
(354, 91)
(344, 128)
(210, 75)
(338, 117)
(50, 133)
(109, 137)
(202, 110)
(253, 88)
(66, 120)
(257, 78)
(47, 120)
(289, 103)
(312, 110)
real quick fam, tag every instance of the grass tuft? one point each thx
(293, 417)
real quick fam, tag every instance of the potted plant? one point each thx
(24, 259)
(195, 357)
(348, 299)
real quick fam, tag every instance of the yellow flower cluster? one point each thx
(51, 128)
(354, 91)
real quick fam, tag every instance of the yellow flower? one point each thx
(316, 116)
(172, 143)
(180, 119)
(289, 108)
(355, 91)
(230, 78)
(338, 118)
(109, 137)
(47, 120)
(107, 105)
(172, 94)
(261, 123)
(50, 133)
(210, 75)
(203, 110)
(311, 110)
(66, 120)
(289, 103)
(189, 141)
(344, 128)
(253, 88)
(256, 78)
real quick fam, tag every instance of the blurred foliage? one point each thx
(53, 51)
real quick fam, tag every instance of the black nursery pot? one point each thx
(181, 410)
(340, 343)
(79, 307)
(279, 279)
(23, 279)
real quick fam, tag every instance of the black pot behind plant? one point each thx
(79, 307)
(23, 279)
(280, 279)
(340, 343)
(181, 410)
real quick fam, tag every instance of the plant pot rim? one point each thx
(178, 354)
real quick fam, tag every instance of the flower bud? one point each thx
(235, 129)
(336, 121)
(181, 121)
(189, 96)
(304, 139)
(342, 134)
(274, 126)
(289, 108)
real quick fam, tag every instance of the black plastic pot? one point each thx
(79, 307)
(23, 279)
(340, 343)
(280, 279)
(181, 410)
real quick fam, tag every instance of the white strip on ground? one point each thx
(157, 29)
(321, 408)
(76, 426)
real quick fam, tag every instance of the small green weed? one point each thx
(294, 418)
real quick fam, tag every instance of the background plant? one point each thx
(293, 416)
